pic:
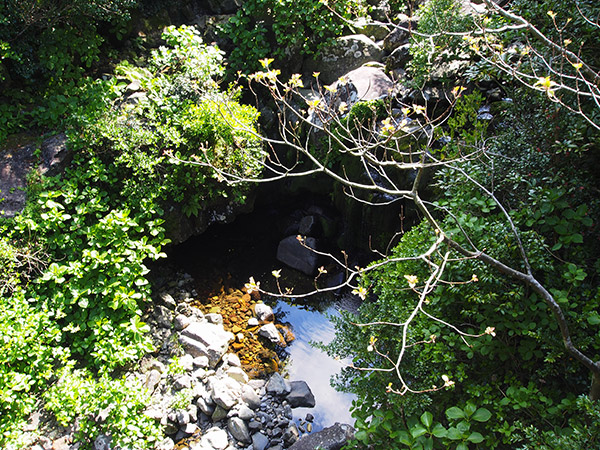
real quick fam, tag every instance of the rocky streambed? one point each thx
(215, 382)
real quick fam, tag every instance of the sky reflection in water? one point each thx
(314, 366)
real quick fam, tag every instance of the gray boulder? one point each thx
(300, 395)
(277, 385)
(259, 441)
(345, 54)
(295, 255)
(239, 430)
(331, 438)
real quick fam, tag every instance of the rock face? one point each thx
(331, 438)
(18, 161)
(345, 54)
(291, 252)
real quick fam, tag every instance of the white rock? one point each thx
(216, 438)
(253, 322)
(263, 312)
(226, 392)
(238, 374)
(187, 362)
(271, 333)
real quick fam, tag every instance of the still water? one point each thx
(227, 255)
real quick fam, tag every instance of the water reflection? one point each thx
(314, 366)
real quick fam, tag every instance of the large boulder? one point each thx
(345, 54)
(206, 339)
(331, 438)
(300, 395)
(292, 253)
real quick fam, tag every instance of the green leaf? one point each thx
(475, 437)
(594, 319)
(454, 434)
(439, 431)
(427, 419)
(462, 446)
(455, 413)
(417, 431)
(482, 415)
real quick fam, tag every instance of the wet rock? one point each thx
(292, 253)
(271, 332)
(277, 385)
(264, 313)
(238, 429)
(291, 435)
(259, 441)
(300, 395)
(331, 438)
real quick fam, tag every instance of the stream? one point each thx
(226, 256)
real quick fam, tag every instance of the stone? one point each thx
(398, 58)
(292, 253)
(239, 430)
(182, 418)
(244, 412)
(232, 360)
(167, 300)
(215, 437)
(188, 429)
(309, 226)
(374, 29)
(152, 380)
(182, 382)
(253, 322)
(300, 395)
(102, 442)
(346, 53)
(187, 362)
(238, 374)
(291, 434)
(164, 316)
(264, 313)
(271, 332)
(218, 414)
(205, 406)
(226, 392)
(277, 385)
(259, 441)
(201, 362)
(181, 321)
(250, 397)
(206, 339)
(331, 438)
(214, 318)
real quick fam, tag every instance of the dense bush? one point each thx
(518, 371)
(74, 278)
(284, 29)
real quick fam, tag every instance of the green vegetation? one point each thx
(285, 29)
(74, 276)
